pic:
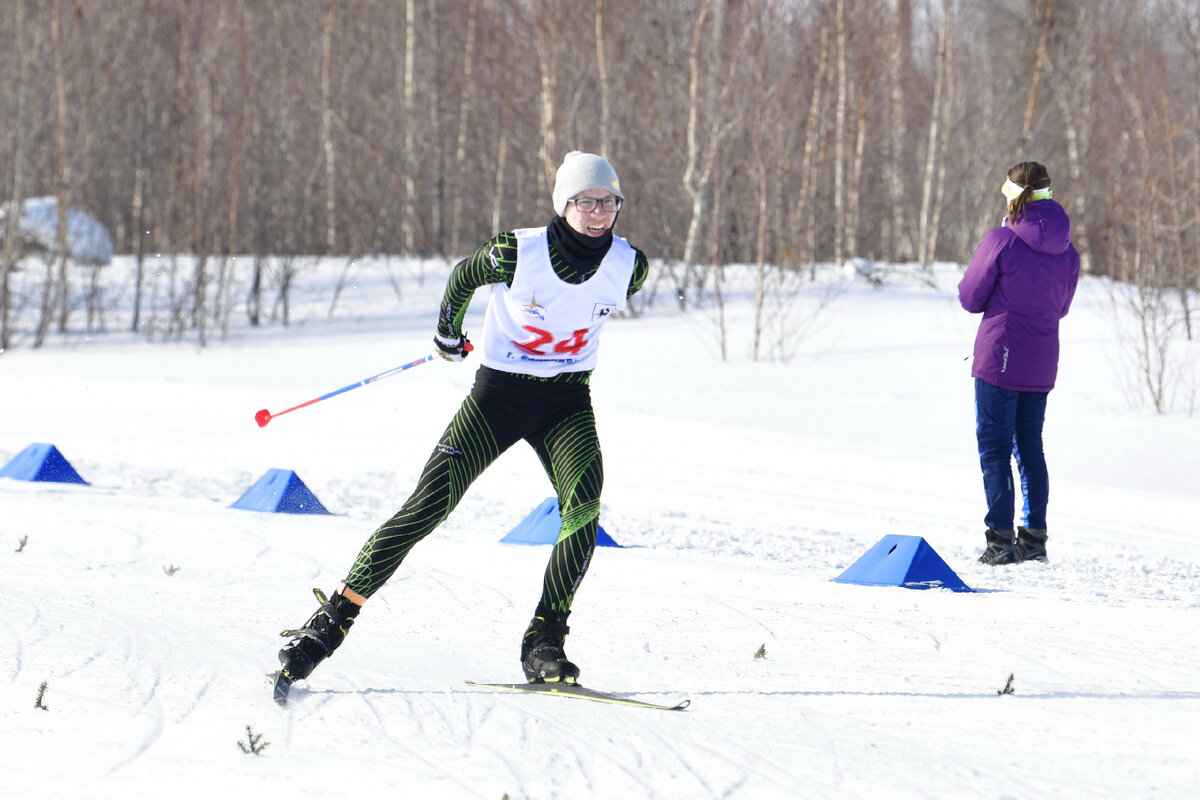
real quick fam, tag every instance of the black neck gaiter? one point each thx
(580, 254)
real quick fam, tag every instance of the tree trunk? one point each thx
(1039, 65)
(62, 183)
(410, 127)
(812, 135)
(141, 166)
(15, 200)
(695, 176)
(435, 234)
(1075, 158)
(899, 244)
(854, 192)
(925, 233)
(254, 297)
(760, 244)
(718, 272)
(501, 162)
(1173, 199)
(464, 115)
(939, 190)
(237, 163)
(839, 136)
(548, 154)
(602, 77)
(327, 128)
(203, 139)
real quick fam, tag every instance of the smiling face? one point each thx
(595, 222)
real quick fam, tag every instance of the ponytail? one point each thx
(1027, 182)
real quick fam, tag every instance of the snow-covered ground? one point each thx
(150, 609)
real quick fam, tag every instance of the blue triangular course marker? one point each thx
(543, 525)
(906, 561)
(280, 490)
(41, 462)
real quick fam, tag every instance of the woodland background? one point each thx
(255, 134)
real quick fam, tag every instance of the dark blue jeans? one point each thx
(1008, 424)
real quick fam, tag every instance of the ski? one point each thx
(579, 692)
(281, 685)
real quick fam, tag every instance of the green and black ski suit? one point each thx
(553, 414)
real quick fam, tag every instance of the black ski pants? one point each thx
(557, 420)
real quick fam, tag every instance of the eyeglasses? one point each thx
(587, 205)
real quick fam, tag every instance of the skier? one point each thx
(1022, 277)
(552, 290)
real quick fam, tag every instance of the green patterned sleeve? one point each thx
(494, 261)
(641, 268)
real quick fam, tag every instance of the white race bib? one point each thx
(542, 325)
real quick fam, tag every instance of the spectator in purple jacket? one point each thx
(1022, 278)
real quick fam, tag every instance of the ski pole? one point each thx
(265, 416)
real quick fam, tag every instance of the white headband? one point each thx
(1012, 191)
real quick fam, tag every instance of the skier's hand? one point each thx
(453, 349)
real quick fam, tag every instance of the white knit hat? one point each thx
(580, 172)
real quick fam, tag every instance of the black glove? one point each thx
(452, 349)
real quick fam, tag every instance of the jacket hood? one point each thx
(1045, 227)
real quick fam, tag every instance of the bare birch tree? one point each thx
(464, 117)
(763, 97)
(143, 158)
(547, 60)
(939, 188)
(812, 135)
(15, 198)
(700, 157)
(62, 182)
(839, 133)
(1039, 66)
(410, 126)
(236, 170)
(898, 244)
(602, 77)
(926, 233)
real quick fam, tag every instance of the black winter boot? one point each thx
(542, 655)
(1031, 544)
(1000, 548)
(320, 636)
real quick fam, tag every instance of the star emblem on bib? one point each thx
(534, 311)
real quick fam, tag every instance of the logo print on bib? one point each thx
(534, 311)
(602, 310)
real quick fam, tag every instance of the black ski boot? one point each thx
(1000, 548)
(320, 636)
(542, 655)
(1031, 544)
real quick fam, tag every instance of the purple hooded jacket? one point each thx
(1022, 277)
